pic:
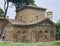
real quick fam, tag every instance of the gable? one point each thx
(8, 24)
(47, 22)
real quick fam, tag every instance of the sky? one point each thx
(50, 5)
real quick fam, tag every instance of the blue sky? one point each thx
(51, 5)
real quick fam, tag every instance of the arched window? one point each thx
(46, 32)
(40, 32)
(37, 17)
(52, 32)
(32, 33)
(20, 17)
(24, 32)
(18, 32)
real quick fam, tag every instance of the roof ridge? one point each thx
(30, 6)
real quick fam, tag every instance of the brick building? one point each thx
(30, 25)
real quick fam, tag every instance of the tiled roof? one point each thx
(36, 7)
(16, 22)
(19, 22)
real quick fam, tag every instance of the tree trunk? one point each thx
(4, 22)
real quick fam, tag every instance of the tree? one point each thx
(6, 4)
(22, 3)
(58, 28)
(1, 13)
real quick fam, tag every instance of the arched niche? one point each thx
(18, 36)
(40, 35)
(33, 35)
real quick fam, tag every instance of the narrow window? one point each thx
(36, 17)
(21, 17)
(45, 36)
(40, 34)
(46, 32)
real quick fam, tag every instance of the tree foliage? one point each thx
(22, 3)
(58, 28)
(1, 13)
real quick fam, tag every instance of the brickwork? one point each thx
(32, 33)
(32, 29)
(30, 15)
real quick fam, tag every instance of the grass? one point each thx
(57, 43)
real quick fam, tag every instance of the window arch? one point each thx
(33, 32)
(41, 32)
(46, 32)
(20, 16)
(24, 32)
(18, 32)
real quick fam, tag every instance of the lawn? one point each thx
(30, 44)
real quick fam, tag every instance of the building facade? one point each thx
(30, 25)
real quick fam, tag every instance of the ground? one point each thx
(57, 43)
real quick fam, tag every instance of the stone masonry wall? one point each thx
(30, 15)
(33, 34)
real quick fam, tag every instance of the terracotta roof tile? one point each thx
(19, 22)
